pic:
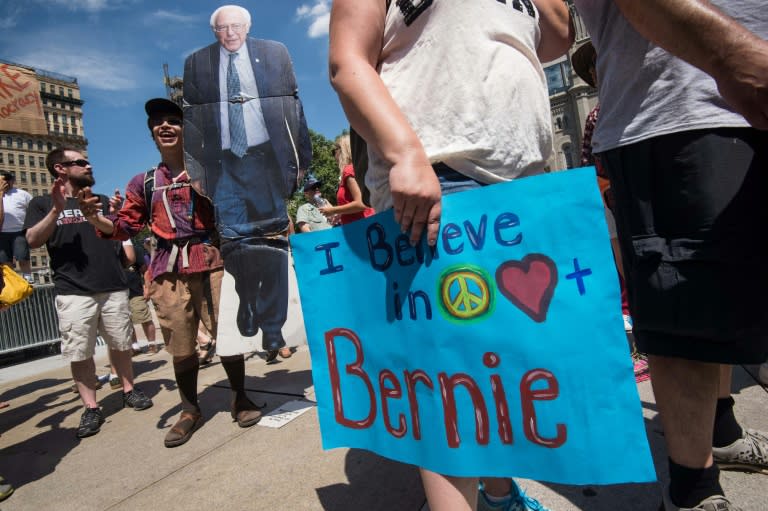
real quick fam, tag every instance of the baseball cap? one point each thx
(311, 183)
(162, 106)
(582, 59)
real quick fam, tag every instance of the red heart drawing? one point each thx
(529, 284)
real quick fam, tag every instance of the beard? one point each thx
(82, 181)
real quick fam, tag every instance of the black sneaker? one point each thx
(136, 400)
(90, 422)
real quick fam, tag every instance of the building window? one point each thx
(568, 156)
(30, 146)
(558, 77)
(22, 161)
(19, 143)
(559, 123)
(61, 91)
(39, 145)
(33, 178)
(66, 130)
(33, 259)
(56, 118)
(1, 158)
(44, 260)
(35, 193)
(42, 87)
(31, 161)
(49, 147)
(9, 141)
(43, 178)
(23, 177)
(69, 92)
(72, 120)
(11, 160)
(41, 161)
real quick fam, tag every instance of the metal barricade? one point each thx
(31, 323)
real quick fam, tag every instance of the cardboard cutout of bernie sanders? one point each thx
(246, 145)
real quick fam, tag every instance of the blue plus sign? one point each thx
(579, 275)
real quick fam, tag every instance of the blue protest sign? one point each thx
(499, 352)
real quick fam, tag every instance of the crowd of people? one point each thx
(682, 147)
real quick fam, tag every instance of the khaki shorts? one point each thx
(139, 310)
(181, 303)
(81, 318)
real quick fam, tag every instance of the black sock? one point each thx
(727, 429)
(235, 369)
(689, 486)
(186, 379)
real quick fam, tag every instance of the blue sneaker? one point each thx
(517, 500)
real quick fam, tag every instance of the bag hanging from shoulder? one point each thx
(15, 288)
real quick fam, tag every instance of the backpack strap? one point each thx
(150, 185)
(149, 190)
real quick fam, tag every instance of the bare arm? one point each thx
(557, 32)
(699, 33)
(356, 205)
(130, 254)
(91, 207)
(4, 187)
(355, 44)
(39, 233)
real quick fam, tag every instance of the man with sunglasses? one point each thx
(246, 141)
(186, 268)
(91, 290)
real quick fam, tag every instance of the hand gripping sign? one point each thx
(499, 352)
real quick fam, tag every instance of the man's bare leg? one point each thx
(686, 394)
(83, 373)
(123, 366)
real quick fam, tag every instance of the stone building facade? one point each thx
(24, 154)
(571, 100)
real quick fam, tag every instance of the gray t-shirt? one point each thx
(644, 91)
(310, 215)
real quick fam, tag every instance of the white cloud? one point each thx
(318, 15)
(92, 67)
(163, 16)
(83, 5)
(10, 18)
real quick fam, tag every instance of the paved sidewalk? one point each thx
(126, 467)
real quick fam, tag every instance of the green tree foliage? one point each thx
(323, 168)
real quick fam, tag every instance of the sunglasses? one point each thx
(172, 121)
(79, 163)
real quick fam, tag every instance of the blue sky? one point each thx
(116, 49)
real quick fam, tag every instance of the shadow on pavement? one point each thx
(375, 483)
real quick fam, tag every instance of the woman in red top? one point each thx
(349, 198)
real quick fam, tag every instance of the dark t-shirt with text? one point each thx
(82, 263)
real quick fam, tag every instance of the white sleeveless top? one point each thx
(467, 77)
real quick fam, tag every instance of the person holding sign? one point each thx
(491, 125)
(686, 151)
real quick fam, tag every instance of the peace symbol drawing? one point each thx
(465, 293)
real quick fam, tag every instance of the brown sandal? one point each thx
(182, 431)
(245, 412)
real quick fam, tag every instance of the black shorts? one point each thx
(692, 220)
(13, 245)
